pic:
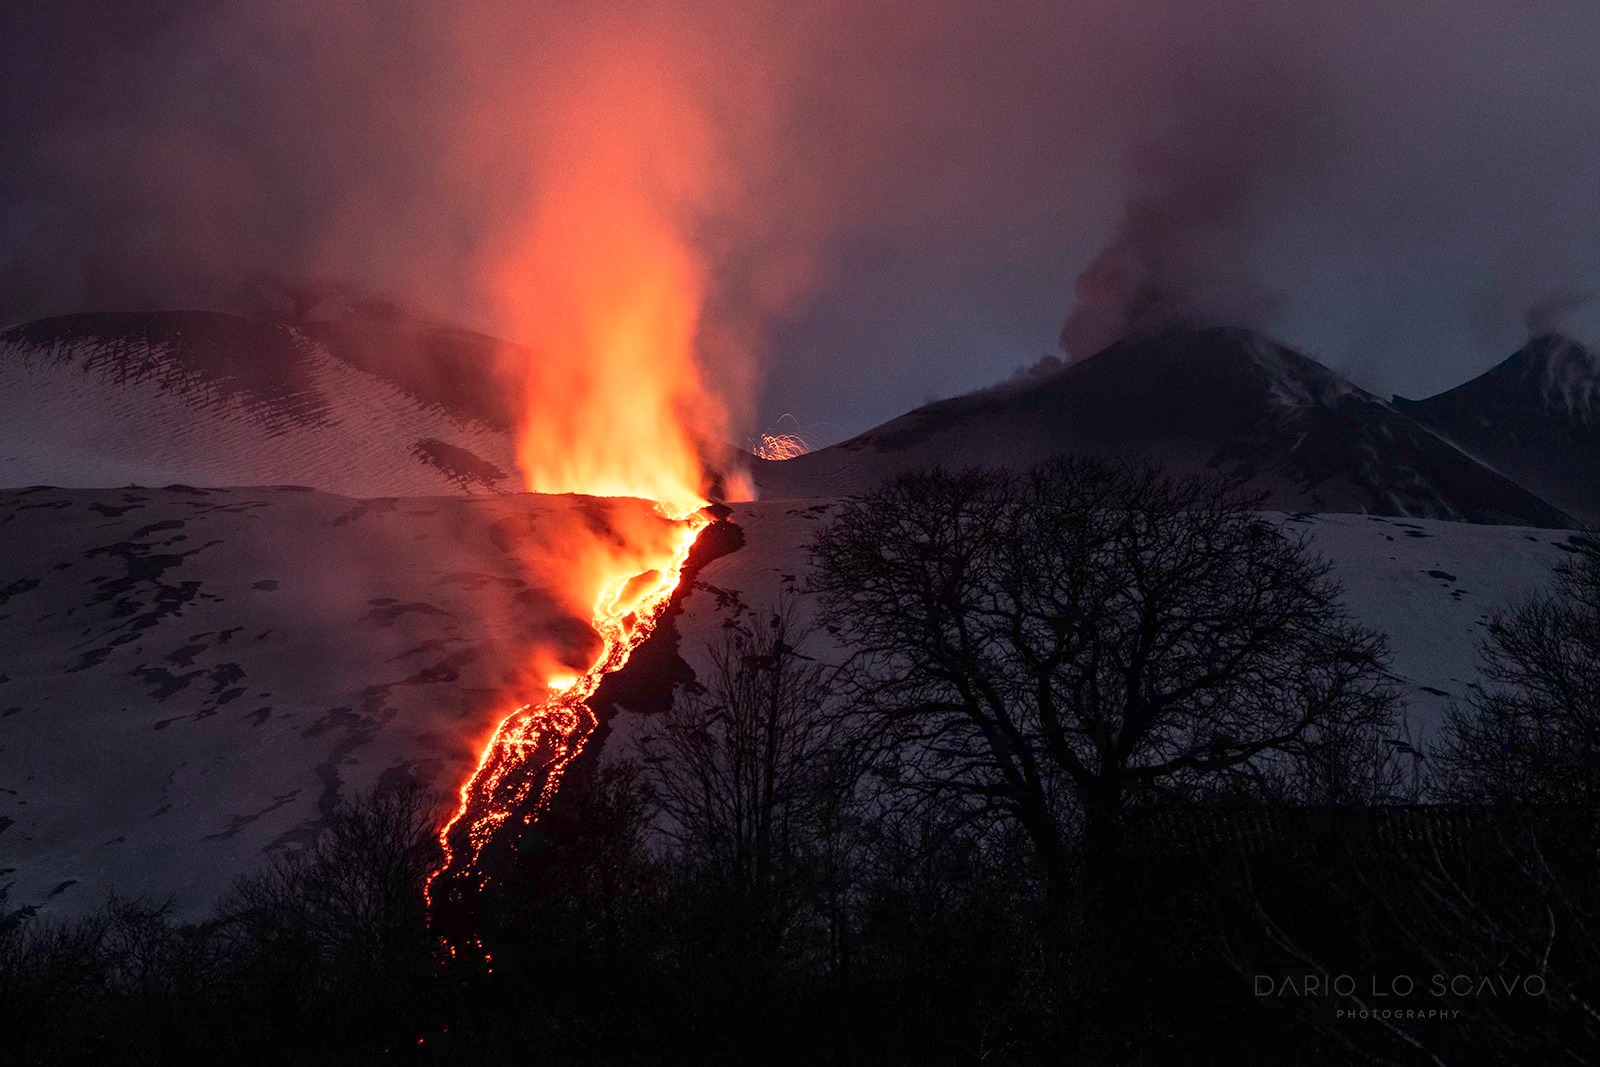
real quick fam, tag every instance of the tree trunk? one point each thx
(1102, 844)
(1102, 959)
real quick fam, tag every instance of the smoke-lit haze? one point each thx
(835, 210)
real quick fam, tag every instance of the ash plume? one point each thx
(1553, 313)
(1183, 252)
(895, 206)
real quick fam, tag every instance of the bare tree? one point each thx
(326, 953)
(1086, 635)
(1532, 733)
(345, 915)
(749, 777)
(356, 888)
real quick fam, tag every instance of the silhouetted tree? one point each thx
(326, 954)
(579, 933)
(1079, 638)
(1531, 733)
(341, 927)
(748, 776)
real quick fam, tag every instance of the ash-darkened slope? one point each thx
(1535, 418)
(1222, 399)
(359, 406)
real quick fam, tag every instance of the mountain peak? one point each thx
(1564, 372)
(1534, 416)
(1221, 399)
(1245, 358)
(1551, 371)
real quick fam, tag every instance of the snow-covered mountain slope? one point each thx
(368, 404)
(1430, 585)
(205, 398)
(189, 679)
(1535, 418)
(1220, 399)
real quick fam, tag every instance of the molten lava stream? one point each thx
(534, 744)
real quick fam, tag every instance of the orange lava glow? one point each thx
(603, 276)
(779, 445)
(601, 272)
(533, 745)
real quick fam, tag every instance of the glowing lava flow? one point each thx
(533, 745)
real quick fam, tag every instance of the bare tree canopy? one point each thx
(1085, 635)
(748, 776)
(1532, 733)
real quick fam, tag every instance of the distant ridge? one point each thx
(359, 407)
(1534, 417)
(1220, 399)
(368, 403)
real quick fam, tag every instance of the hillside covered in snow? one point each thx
(193, 678)
(338, 585)
(207, 398)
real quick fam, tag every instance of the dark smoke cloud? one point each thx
(1553, 313)
(1389, 185)
(1184, 250)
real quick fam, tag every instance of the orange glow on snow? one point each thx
(532, 746)
(602, 280)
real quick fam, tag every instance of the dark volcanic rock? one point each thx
(1535, 418)
(1218, 399)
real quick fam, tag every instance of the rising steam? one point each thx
(1552, 313)
(1183, 251)
(1390, 170)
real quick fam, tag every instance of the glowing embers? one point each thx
(780, 445)
(521, 767)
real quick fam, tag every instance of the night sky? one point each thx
(905, 194)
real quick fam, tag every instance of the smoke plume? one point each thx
(862, 207)
(1232, 127)
(1553, 312)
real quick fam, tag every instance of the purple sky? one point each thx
(1390, 186)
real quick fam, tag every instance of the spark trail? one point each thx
(779, 445)
(532, 746)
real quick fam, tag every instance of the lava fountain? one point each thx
(603, 279)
